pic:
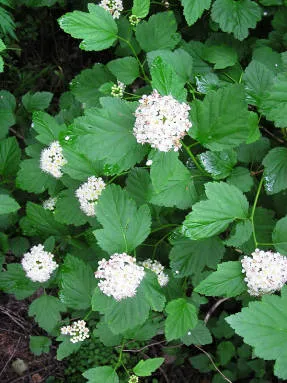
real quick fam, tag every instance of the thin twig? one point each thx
(17, 134)
(29, 374)
(11, 356)
(273, 135)
(164, 374)
(143, 348)
(213, 308)
(13, 318)
(214, 365)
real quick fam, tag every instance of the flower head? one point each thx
(114, 7)
(50, 203)
(118, 89)
(133, 379)
(38, 264)
(78, 331)
(157, 268)
(120, 276)
(88, 194)
(266, 272)
(161, 121)
(52, 160)
(134, 20)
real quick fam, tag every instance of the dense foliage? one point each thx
(133, 202)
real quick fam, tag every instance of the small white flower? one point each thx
(78, 331)
(50, 203)
(189, 333)
(114, 7)
(161, 121)
(67, 138)
(38, 264)
(266, 272)
(120, 276)
(52, 160)
(88, 194)
(149, 163)
(265, 13)
(157, 268)
(118, 89)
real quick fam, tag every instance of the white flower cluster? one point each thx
(120, 276)
(50, 203)
(266, 272)
(78, 331)
(157, 268)
(161, 121)
(133, 379)
(118, 89)
(88, 194)
(114, 7)
(52, 160)
(38, 264)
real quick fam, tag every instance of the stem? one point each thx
(253, 211)
(192, 156)
(119, 362)
(87, 315)
(164, 227)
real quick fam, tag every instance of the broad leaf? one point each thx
(263, 325)
(241, 178)
(139, 185)
(240, 235)
(193, 9)
(279, 236)
(225, 204)
(181, 317)
(275, 172)
(66, 347)
(97, 29)
(159, 32)
(68, 210)
(218, 164)
(7, 107)
(124, 226)
(101, 374)
(47, 128)
(10, 155)
(40, 345)
(147, 367)
(8, 204)
(36, 101)
(219, 124)
(222, 56)
(227, 281)
(236, 17)
(46, 310)
(198, 335)
(125, 69)
(140, 8)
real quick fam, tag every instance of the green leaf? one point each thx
(166, 81)
(152, 291)
(279, 236)
(101, 374)
(2, 45)
(193, 9)
(32, 179)
(141, 8)
(275, 172)
(77, 283)
(8, 204)
(257, 79)
(219, 124)
(124, 226)
(225, 351)
(218, 164)
(198, 335)
(190, 257)
(107, 134)
(47, 128)
(10, 155)
(263, 326)
(43, 221)
(125, 69)
(181, 317)
(139, 185)
(47, 311)
(7, 24)
(1, 64)
(147, 367)
(40, 345)
(85, 86)
(180, 61)
(225, 204)
(66, 348)
(274, 106)
(227, 281)
(241, 178)
(68, 210)
(241, 234)
(236, 17)
(172, 182)
(221, 55)
(106, 336)
(14, 281)
(159, 32)
(7, 107)
(18, 245)
(36, 101)
(97, 28)
(255, 152)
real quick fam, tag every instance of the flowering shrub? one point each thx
(152, 198)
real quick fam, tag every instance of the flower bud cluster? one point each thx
(114, 7)
(133, 379)
(120, 276)
(50, 203)
(52, 160)
(266, 272)
(118, 89)
(78, 331)
(161, 121)
(88, 194)
(134, 20)
(38, 264)
(157, 268)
